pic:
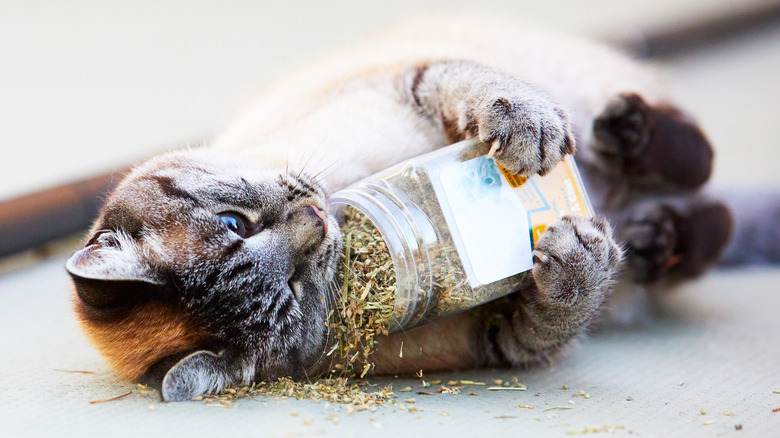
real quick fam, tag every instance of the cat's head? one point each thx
(202, 271)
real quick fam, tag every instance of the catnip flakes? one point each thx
(366, 304)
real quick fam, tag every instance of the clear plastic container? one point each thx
(460, 230)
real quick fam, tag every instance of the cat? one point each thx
(214, 266)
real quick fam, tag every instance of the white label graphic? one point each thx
(492, 222)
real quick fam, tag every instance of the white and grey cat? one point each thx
(215, 266)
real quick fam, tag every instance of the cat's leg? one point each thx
(528, 133)
(576, 262)
(183, 378)
(576, 257)
(666, 239)
(651, 146)
(680, 236)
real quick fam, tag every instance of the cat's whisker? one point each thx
(335, 301)
(333, 126)
(338, 89)
(330, 297)
(315, 149)
(287, 166)
(300, 172)
(333, 305)
(322, 142)
(323, 170)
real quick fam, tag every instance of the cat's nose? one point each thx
(313, 210)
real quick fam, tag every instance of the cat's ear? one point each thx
(196, 374)
(111, 271)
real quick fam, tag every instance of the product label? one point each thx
(499, 216)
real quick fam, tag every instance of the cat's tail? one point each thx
(756, 235)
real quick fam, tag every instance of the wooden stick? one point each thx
(75, 371)
(92, 402)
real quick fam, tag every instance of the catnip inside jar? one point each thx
(447, 231)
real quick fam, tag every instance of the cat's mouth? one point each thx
(294, 283)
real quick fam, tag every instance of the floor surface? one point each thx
(706, 366)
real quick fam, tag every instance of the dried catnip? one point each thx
(367, 300)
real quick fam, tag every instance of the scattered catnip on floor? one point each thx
(340, 390)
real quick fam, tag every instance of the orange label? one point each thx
(552, 196)
(514, 181)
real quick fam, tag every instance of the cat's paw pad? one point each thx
(650, 236)
(528, 135)
(622, 131)
(675, 239)
(575, 256)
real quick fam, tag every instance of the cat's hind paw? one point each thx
(650, 236)
(622, 131)
(636, 140)
(682, 238)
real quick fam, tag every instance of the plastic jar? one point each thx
(460, 229)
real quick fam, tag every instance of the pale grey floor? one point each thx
(714, 349)
(714, 346)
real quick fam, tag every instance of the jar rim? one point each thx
(388, 212)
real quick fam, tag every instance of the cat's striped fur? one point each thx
(174, 292)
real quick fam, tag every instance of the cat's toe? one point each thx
(650, 236)
(622, 131)
(528, 136)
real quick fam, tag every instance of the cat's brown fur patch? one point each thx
(146, 334)
(441, 346)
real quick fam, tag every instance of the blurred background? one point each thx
(88, 87)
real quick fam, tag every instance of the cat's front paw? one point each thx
(528, 133)
(576, 259)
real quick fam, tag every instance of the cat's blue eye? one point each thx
(234, 222)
